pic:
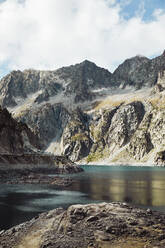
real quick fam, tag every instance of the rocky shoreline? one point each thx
(36, 169)
(24, 177)
(104, 225)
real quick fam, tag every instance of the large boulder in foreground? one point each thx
(105, 225)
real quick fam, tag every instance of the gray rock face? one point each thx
(75, 80)
(141, 143)
(124, 123)
(16, 137)
(47, 121)
(139, 71)
(127, 73)
(76, 140)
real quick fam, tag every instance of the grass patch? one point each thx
(79, 137)
(158, 102)
(123, 155)
(114, 101)
(108, 103)
(95, 156)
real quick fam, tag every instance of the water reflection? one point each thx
(139, 186)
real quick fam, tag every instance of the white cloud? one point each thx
(49, 34)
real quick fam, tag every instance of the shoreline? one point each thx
(93, 225)
(130, 164)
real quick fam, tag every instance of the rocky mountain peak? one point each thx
(126, 74)
(87, 63)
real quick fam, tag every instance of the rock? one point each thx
(139, 71)
(16, 137)
(70, 228)
(124, 123)
(101, 236)
(92, 218)
(132, 72)
(65, 110)
(48, 122)
(160, 158)
(76, 141)
(35, 168)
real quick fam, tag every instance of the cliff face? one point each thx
(76, 141)
(16, 137)
(90, 114)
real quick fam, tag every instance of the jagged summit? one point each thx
(48, 102)
(76, 81)
(139, 71)
(87, 62)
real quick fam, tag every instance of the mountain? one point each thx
(139, 71)
(76, 82)
(89, 114)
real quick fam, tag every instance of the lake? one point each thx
(139, 186)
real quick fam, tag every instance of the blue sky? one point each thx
(138, 6)
(49, 34)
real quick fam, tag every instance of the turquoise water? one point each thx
(140, 186)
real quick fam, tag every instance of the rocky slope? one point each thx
(90, 114)
(20, 146)
(16, 137)
(139, 71)
(105, 225)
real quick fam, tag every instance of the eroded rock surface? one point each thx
(16, 137)
(105, 225)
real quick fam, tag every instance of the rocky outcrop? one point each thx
(124, 123)
(160, 84)
(20, 146)
(141, 144)
(128, 72)
(139, 71)
(159, 158)
(76, 141)
(47, 122)
(94, 225)
(114, 128)
(16, 137)
(18, 168)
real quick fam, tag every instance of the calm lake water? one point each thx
(140, 186)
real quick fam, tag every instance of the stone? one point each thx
(56, 229)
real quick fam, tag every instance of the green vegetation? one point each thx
(74, 123)
(97, 155)
(95, 132)
(158, 102)
(123, 155)
(79, 137)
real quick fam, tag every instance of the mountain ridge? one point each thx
(54, 104)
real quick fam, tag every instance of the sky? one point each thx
(49, 34)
